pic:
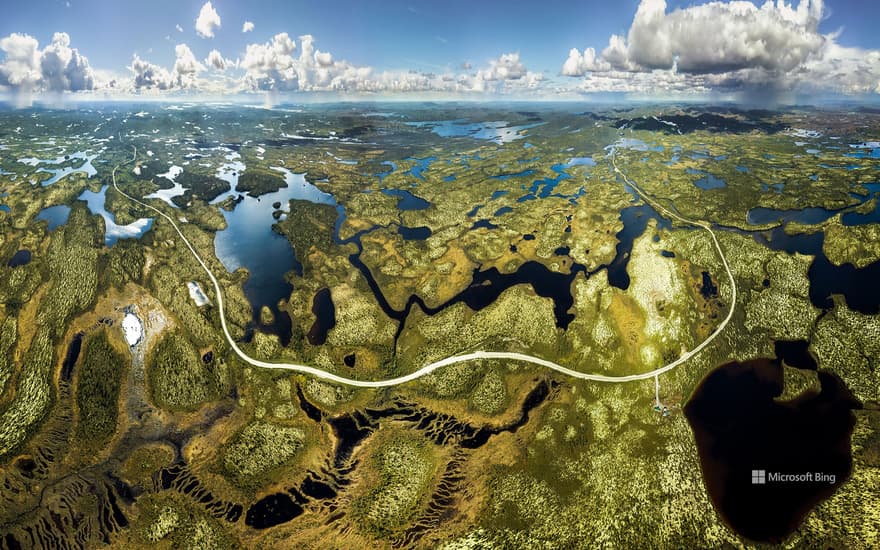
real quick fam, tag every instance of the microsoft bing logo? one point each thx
(759, 477)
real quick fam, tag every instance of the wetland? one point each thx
(369, 244)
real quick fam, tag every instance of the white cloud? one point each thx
(56, 68)
(503, 75)
(269, 66)
(63, 67)
(616, 53)
(183, 75)
(272, 66)
(579, 64)
(21, 68)
(216, 60)
(186, 67)
(247, 27)
(844, 70)
(506, 67)
(324, 59)
(149, 76)
(657, 83)
(178, 27)
(207, 21)
(728, 46)
(724, 36)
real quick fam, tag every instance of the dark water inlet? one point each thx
(414, 233)
(325, 317)
(858, 286)
(72, 355)
(406, 200)
(708, 289)
(795, 353)
(635, 221)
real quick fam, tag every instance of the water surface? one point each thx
(741, 427)
(112, 230)
(54, 215)
(250, 242)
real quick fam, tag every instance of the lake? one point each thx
(112, 230)
(249, 242)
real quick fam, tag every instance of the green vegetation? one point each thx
(308, 227)
(490, 396)
(858, 245)
(848, 343)
(257, 181)
(260, 447)
(404, 468)
(169, 517)
(594, 465)
(178, 377)
(72, 258)
(97, 390)
(199, 186)
(124, 263)
(144, 461)
(8, 334)
(33, 394)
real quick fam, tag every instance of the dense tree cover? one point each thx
(8, 334)
(124, 263)
(72, 256)
(258, 182)
(202, 186)
(178, 377)
(97, 390)
(32, 395)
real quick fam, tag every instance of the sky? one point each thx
(455, 48)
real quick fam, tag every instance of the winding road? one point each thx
(476, 355)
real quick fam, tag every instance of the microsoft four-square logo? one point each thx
(759, 477)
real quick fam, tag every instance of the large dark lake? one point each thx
(745, 435)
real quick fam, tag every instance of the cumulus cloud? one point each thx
(724, 36)
(281, 65)
(216, 61)
(64, 68)
(186, 67)
(149, 76)
(268, 66)
(324, 59)
(506, 74)
(843, 70)
(506, 67)
(579, 64)
(728, 46)
(207, 21)
(21, 68)
(183, 75)
(247, 27)
(178, 27)
(56, 68)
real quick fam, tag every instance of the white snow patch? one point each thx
(132, 328)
